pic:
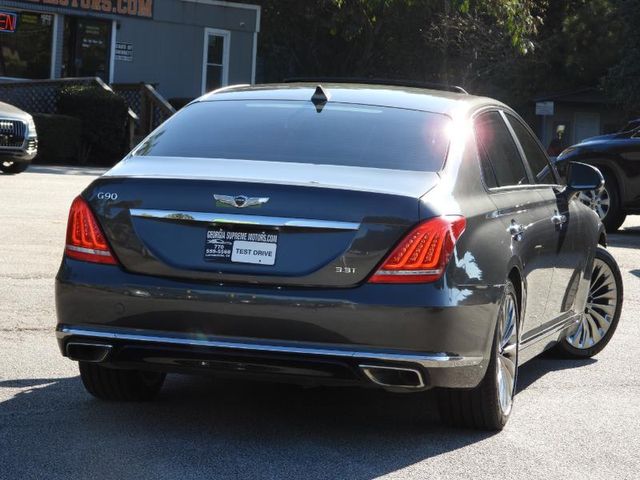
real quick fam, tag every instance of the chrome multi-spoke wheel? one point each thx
(602, 310)
(507, 353)
(597, 200)
(606, 203)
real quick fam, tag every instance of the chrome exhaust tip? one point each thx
(394, 377)
(88, 352)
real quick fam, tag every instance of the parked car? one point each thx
(617, 156)
(375, 235)
(18, 139)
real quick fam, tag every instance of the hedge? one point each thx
(59, 138)
(179, 102)
(103, 115)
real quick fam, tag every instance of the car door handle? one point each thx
(559, 219)
(516, 230)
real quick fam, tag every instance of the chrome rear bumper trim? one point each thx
(427, 360)
(225, 218)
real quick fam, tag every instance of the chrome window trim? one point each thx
(427, 360)
(502, 111)
(499, 110)
(506, 114)
(240, 219)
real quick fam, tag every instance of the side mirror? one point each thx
(582, 177)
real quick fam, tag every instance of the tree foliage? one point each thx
(623, 80)
(510, 49)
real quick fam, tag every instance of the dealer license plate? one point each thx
(237, 245)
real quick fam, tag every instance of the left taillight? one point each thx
(85, 240)
(422, 255)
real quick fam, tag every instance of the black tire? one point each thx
(13, 167)
(120, 385)
(480, 407)
(565, 348)
(615, 217)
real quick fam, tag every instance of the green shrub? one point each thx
(104, 121)
(59, 138)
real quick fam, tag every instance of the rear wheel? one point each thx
(606, 203)
(489, 405)
(602, 312)
(120, 385)
(13, 167)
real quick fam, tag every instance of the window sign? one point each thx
(26, 53)
(124, 52)
(544, 108)
(8, 22)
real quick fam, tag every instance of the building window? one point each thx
(26, 53)
(215, 62)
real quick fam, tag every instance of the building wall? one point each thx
(608, 119)
(168, 49)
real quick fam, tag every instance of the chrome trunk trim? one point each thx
(240, 219)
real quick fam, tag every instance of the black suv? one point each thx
(18, 139)
(618, 157)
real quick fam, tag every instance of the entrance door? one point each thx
(587, 125)
(86, 48)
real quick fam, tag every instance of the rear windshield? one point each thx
(294, 131)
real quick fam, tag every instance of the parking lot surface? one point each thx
(572, 419)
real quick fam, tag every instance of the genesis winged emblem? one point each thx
(240, 201)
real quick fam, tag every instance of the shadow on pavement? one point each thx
(546, 363)
(212, 428)
(627, 238)
(203, 427)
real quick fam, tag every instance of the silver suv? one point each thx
(18, 139)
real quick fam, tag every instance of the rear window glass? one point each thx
(293, 131)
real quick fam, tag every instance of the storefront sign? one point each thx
(129, 8)
(124, 52)
(8, 22)
(544, 108)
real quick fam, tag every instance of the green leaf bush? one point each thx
(59, 138)
(104, 122)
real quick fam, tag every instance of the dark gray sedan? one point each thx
(384, 236)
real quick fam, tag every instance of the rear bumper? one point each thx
(314, 363)
(23, 154)
(315, 335)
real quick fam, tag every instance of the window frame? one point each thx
(226, 49)
(492, 190)
(505, 114)
(474, 118)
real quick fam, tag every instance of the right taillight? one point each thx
(85, 240)
(422, 255)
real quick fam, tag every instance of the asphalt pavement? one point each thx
(572, 419)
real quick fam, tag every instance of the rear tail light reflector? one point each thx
(422, 255)
(85, 240)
